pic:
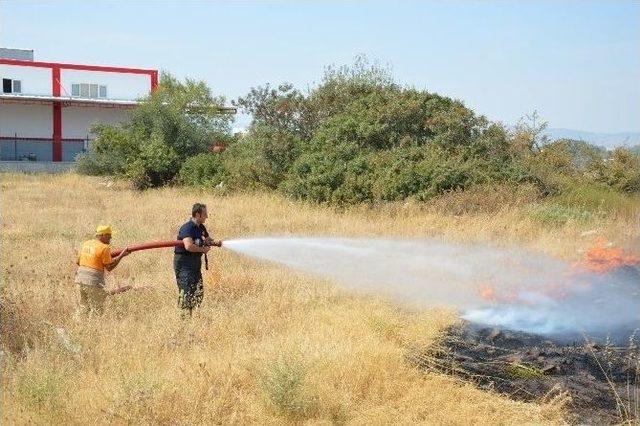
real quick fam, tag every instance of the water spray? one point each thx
(508, 288)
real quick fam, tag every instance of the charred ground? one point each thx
(601, 378)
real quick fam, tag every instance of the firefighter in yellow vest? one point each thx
(94, 258)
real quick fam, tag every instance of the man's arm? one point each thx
(190, 246)
(111, 266)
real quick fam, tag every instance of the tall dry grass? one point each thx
(269, 345)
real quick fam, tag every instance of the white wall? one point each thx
(76, 121)
(35, 81)
(119, 86)
(34, 121)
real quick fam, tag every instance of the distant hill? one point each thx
(607, 140)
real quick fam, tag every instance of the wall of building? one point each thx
(31, 121)
(35, 121)
(77, 121)
(35, 81)
(119, 86)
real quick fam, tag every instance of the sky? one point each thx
(576, 62)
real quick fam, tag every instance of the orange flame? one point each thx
(602, 258)
(489, 293)
(598, 259)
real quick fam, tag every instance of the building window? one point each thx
(92, 91)
(11, 86)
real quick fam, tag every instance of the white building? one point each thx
(48, 108)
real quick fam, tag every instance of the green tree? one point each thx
(175, 122)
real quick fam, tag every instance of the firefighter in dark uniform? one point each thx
(187, 260)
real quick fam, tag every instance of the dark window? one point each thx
(6, 85)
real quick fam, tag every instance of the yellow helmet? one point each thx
(103, 230)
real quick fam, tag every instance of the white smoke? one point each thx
(535, 293)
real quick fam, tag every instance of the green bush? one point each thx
(317, 175)
(177, 121)
(357, 137)
(622, 171)
(205, 169)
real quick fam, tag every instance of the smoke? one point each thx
(514, 289)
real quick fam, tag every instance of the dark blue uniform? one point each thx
(188, 267)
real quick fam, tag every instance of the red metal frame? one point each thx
(26, 138)
(153, 74)
(57, 115)
(81, 67)
(56, 67)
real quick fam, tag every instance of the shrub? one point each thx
(203, 170)
(177, 121)
(284, 386)
(261, 159)
(156, 163)
(359, 137)
(622, 171)
(315, 176)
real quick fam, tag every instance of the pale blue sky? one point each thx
(576, 62)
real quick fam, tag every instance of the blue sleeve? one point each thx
(187, 230)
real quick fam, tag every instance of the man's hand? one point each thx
(111, 266)
(206, 249)
(211, 242)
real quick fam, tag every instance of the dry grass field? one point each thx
(269, 345)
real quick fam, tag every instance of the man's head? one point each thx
(103, 233)
(199, 213)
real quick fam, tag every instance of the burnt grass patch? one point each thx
(601, 378)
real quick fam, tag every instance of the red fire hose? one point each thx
(149, 245)
(152, 245)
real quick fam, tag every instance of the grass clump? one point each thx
(285, 387)
(524, 371)
(555, 215)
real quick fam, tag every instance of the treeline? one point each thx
(356, 137)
